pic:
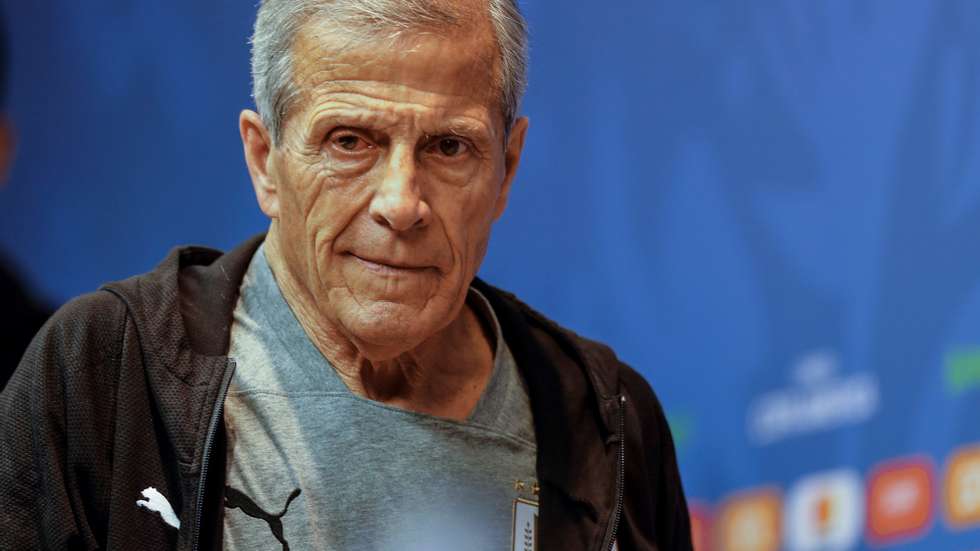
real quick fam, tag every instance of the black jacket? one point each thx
(123, 389)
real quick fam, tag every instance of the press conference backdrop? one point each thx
(770, 209)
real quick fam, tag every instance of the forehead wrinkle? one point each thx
(351, 115)
(459, 120)
(390, 114)
(312, 48)
(315, 44)
(337, 88)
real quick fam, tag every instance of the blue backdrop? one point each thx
(768, 208)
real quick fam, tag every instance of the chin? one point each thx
(382, 330)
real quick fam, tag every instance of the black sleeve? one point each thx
(656, 508)
(50, 490)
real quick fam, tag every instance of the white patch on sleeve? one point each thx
(157, 503)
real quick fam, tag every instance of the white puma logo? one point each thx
(157, 503)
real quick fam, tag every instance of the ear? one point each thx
(512, 158)
(257, 143)
(8, 144)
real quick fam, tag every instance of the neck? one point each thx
(444, 375)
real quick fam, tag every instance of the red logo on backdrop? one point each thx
(700, 526)
(900, 500)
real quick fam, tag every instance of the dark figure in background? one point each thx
(21, 314)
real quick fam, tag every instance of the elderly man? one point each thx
(344, 381)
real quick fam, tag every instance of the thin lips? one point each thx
(390, 263)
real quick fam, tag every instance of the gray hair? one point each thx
(279, 21)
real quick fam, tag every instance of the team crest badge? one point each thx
(525, 525)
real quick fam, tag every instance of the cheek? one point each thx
(467, 216)
(329, 218)
(316, 208)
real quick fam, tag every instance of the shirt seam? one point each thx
(358, 399)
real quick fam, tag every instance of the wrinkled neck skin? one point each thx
(444, 375)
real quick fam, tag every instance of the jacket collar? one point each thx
(573, 393)
(182, 313)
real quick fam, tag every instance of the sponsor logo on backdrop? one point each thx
(700, 525)
(825, 512)
(961, 488)
(750, 521)
(962, 370)
(819, 399)
(900, 500)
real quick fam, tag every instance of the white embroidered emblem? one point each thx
(525, 525)
(157, 503)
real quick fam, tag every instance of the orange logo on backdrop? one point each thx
(750, 521)
(899, 500)
(961, 488)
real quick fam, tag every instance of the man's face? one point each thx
(391, 170)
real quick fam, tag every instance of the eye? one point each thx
(349, 142)
(449, 146)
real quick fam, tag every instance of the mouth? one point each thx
(389, 267)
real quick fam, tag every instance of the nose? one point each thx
(398, 202)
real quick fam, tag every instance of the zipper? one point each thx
(620, 477)
(208, 444)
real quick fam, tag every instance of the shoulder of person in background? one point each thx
(22, 313)
(22, 316)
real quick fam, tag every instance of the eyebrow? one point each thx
(346, 116)
(466, 127)
(343, 115)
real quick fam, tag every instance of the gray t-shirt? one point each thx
(351, 473)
